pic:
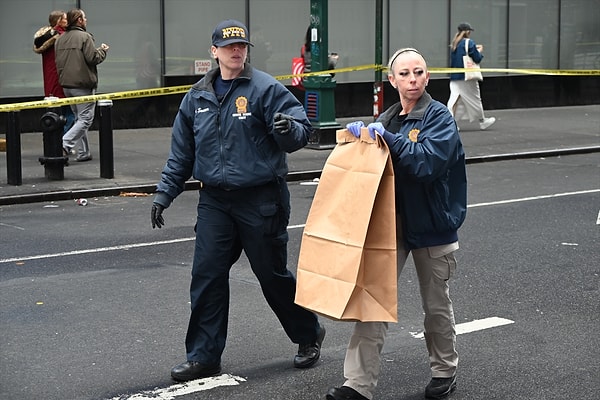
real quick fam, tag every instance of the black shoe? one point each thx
(190, 370)
(344, 393)
(440, 388)
(308, 354)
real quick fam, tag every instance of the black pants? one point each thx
(254, 220)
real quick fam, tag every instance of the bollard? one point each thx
(53, 160)
(13, 149)
(107, 167)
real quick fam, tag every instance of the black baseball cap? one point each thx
(465, 26)
(228, 32)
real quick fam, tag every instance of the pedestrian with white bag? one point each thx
(465, 98)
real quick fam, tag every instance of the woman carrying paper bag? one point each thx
(431, 199)
(347, 263)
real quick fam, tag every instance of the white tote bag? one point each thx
(468, 63)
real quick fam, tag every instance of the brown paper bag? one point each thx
(347, 265)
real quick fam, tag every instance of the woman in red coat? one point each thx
(43, 43)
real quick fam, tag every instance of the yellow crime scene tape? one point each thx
(49, 103)
(55, 102)
(565, 72)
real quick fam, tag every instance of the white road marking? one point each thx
(547, 196)
(598, 220)
(96, 250)
(314, 182)
(473, 326)
(169, 393)
(12, 226)
(158, 243)
(198, 385)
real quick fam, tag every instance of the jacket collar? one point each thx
(417, 112)
(76, 28)
(206, 83)
(47, 44)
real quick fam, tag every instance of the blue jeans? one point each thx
(69, 116)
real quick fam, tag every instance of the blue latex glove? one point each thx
(376, 128)
(354, 127)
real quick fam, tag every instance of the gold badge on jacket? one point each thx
(412, 135)
(241, 104)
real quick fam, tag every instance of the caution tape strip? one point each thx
(569, 72)
(162, 91)
(329, 71)
(50, 103)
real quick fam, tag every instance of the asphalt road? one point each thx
(94, 303)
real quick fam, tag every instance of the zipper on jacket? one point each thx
(219, 129)
(221, 139)
(221, 151)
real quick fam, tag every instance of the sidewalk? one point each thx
(139, 154)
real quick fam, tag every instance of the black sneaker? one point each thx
(190, 370)
(308, 354)
(344, 393)
(440, 388)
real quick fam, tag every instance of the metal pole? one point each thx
(319, 97)
(378, 83)
(319, 25)
(13, 149)
(107, 165)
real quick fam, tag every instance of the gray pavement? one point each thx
(95, 303)
(139, 154)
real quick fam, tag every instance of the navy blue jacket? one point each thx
(231, 145)
(430, 173)
(456, 58)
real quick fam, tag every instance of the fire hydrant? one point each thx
(54, 160)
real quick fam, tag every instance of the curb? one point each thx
(291, 177)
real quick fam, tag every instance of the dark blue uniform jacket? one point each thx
(430, 173)
(230, 144)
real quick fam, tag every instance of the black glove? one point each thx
(156, 216)
(282, 123)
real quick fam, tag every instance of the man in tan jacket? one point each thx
(76, 61)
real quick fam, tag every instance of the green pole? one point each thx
(319, 98)
(378, 82)
(319, 32)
